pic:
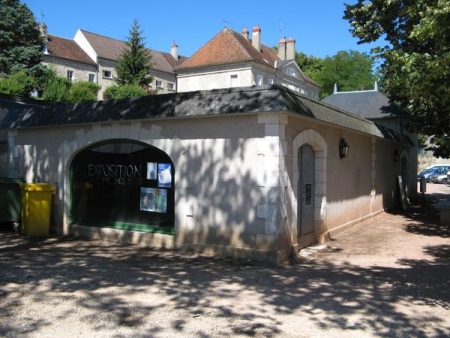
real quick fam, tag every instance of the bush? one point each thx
(56, 89)
(17, 84)
(83, 91)
(125, 92)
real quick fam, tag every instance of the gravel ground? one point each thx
(386, 277)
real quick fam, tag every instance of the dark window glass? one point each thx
(123, 184)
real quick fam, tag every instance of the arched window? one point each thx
(123, 184)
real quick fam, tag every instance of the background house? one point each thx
(106, 51)
(232, 59)
(67, 58)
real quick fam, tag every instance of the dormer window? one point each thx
(290, 71)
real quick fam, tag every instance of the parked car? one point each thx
(438, 169)
(439, 178)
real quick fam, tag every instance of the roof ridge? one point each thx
(103, 36)
(239, 40)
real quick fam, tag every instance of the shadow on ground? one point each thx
(336, 292)
(328, 295)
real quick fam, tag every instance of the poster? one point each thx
(147, 200)
(164, 175)
(151, 170)
(160, 197)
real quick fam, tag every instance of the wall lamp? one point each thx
(343, 148)
(396, 156)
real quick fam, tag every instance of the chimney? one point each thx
(290, 49)
(44, 34)
(244, 33)
(256, 38)
(282, 49)
(174, 50)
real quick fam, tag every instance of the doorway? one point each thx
(306, 196)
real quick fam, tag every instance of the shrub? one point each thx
(17, 84)
(83, 91)
(56, 89)
(125, 91)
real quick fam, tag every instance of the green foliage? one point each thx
(17, 84)
(349, 70)
(416, 68)
(134, 64)
(310, 65)
(125, 91)
(56, 89)
(83, 91)
(20, 39)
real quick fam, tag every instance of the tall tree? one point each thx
(416, 67)
(310, 65)
(348, 70)
(20, 39)
(134, 63)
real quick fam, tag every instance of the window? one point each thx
(91, 77)
(107, 74)
(171, 86)
(159, 84)
(259, 80)
(233, 81)
(271, 81)
(104, 173)
(290, 71)
(70, 75)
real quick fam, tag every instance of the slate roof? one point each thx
(227, 47)
(111, 49)
(370, 104)
(257, 99)
(67, 49)
(16, 104)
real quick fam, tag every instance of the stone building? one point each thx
(257, 172)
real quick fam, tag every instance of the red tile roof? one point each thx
(227, 47)
(67, 49)
(111, 49)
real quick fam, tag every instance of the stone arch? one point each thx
(317, 142)
(86, 136)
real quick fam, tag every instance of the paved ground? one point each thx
(387, 277)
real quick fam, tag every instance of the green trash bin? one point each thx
(36, 208)
(10, 201)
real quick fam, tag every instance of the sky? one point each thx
(317, 26)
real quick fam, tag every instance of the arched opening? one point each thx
(123, 184)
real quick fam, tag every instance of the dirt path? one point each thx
(387, 277)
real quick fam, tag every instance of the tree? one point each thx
(416, 67)
(310, 65)
(20, 39)
(17, 84)
(134, 63)
(349, 70)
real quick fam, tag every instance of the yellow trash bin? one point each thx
(36, 208)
